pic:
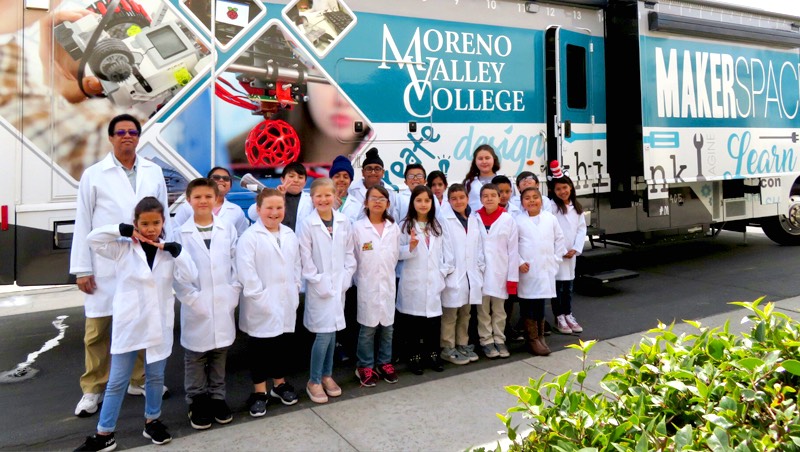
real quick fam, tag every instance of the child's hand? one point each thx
(412, 244)
(524, 268)
(569, 254)
(138, 237)
(281, 188)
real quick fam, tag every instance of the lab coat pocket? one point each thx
(126, 307)
(323, 288)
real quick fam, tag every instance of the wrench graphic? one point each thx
(698, 145)
(792, 137)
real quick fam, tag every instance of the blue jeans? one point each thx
(322, 356)
(366, 345)
(120, 373)
(562, 303)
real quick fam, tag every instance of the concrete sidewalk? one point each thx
(448, 414)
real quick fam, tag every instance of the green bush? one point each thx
(711, 390)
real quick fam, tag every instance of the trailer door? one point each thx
(571, 119)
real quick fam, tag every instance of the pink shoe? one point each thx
(573, 324)
(316, 393)
(561, 325)
(330, 386)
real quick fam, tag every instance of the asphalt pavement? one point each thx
(437, 411)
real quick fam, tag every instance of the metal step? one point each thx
(610, 276)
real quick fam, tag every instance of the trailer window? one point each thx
(576, 77)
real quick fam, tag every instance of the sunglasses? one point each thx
(219, 177)
(121, 133)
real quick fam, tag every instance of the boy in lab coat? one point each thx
(268, 266)
(208, 327)
(500, 276)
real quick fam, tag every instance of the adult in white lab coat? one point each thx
(107, 194)
(328, 268)
(223, 208)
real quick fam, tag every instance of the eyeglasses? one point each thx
(415, 177)
(121, 133)
(373, 169)
(219, 177)
(379, 199)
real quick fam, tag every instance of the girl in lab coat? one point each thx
(541, 247)
(463, 286)
(143, 313)
(569, 213)
(437, 182)
(328, 259)
(377, 249)
(427, 260)
(208, 327)
(482, 170)
(268, 266)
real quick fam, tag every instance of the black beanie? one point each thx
(372, 158)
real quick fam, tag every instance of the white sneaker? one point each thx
(562, 326)
(138, 390)
(573, 324)
(88, 404)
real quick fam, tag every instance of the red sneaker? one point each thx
(387, 372)
(367, 377)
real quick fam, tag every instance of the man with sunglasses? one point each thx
(372, 171)
(107, 194)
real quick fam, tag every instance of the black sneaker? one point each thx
(98, 443)
(435, 363)
(157, 432)
(258, 404)
(415, 364)
(200, 413)
(221, 412)
(284, 392)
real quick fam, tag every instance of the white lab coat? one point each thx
(541, 245)
(463, 286)
(352, 209)
(377, 256)
(423, 274)
(143, 314)
(270, 276)
(208, 304)
(329, 264)
(357, 193)
(229, 212)
(105, 197)
(304, 208)
(573, 225)
(501, 253)
(400, 206)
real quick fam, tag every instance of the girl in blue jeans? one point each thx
(142, 315)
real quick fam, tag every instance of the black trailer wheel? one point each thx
(784, 230)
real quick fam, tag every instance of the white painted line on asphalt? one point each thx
(23, 371)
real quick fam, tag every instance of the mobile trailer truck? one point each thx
(674, 118)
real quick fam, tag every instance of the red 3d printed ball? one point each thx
(272, 143)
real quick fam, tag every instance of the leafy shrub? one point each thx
(711, 390)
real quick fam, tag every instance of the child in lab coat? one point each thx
(541, 247)
(463, 286)
(569, 213)
(500, 249)
(268, 266)
(143, 314)
(327, 255)
(207, 324)
(377, 248)
(427, 260)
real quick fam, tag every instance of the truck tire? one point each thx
(781, 231)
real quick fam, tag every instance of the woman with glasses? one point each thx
(223, 208)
